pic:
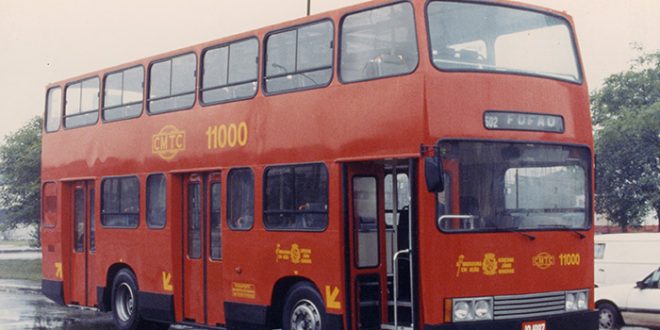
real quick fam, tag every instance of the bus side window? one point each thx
(123, 94)
(230, 72)
(296, 197)
(240, 187)
(53, 109)
(81, 103)
(172, 83)
(299, 58)
(378, 43)
(156, 201)
(120, 202)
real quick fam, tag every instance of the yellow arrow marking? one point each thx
(167, 281)
(331, 295)
(58, 270)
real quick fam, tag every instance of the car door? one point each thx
(643, 307)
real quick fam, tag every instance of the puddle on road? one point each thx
(27, 310)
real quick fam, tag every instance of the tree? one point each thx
(626, 112)
(20, 176)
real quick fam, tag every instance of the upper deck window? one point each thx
(172, 84)
(299, 58)
(230, 72)
(123, 94)
(481, 37)
(53, 109)
(82, 103)
(378, 43)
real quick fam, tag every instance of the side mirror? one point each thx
(640, 285)
(433, 172)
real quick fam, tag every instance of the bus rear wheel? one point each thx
(125, 304)
(304, 309)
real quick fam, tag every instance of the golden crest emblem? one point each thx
(489, 265)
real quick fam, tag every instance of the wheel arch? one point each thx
(616, 307)
(111, 273)
(279, 295)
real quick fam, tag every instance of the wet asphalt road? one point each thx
(21, 309)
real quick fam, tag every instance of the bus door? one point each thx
(202, 254)
(380, 246)
(82, 215)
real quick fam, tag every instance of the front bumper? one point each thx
(571, 321)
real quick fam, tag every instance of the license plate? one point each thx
(534, 325)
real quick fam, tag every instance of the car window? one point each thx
(599, 250)
(652, 281)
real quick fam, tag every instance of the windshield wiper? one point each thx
(514, 230)
(581, 235)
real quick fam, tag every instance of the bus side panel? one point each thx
(51, 242)
(288, 256)
(175, 225)
(147, 252)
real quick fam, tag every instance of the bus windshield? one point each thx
(481, 37)
(514, 186)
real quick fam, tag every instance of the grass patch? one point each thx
(21, 269)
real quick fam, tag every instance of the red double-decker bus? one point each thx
(391, 165)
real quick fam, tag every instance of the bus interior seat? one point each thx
(385, 65)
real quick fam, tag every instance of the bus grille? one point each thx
(528, 305)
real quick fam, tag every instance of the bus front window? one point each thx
(484, 37)
(517, 186)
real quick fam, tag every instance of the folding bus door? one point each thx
(82, 209)
(202, 260)
(380, 213)
(367, 235)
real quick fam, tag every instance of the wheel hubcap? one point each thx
(305, 316)
(606, 319)
(124, 302)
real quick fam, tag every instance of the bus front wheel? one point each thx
(125, 303)
(304, 309)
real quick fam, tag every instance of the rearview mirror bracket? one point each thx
(433, 169)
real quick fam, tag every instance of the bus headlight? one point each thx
(581, 300)
(577, 300)
(482, 309)
(472, 309)
(461, 311)
(570, 301)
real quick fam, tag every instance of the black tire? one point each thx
(304, 309)
(609, 317)
(125, 304)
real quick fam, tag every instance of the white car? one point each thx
(625, 304)
(625, 258)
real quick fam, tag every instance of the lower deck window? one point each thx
(296, 198)
(120, 202)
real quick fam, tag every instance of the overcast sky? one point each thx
(43, 41)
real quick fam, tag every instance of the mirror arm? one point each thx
(434, 171)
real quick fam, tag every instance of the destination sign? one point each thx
(519, 121)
